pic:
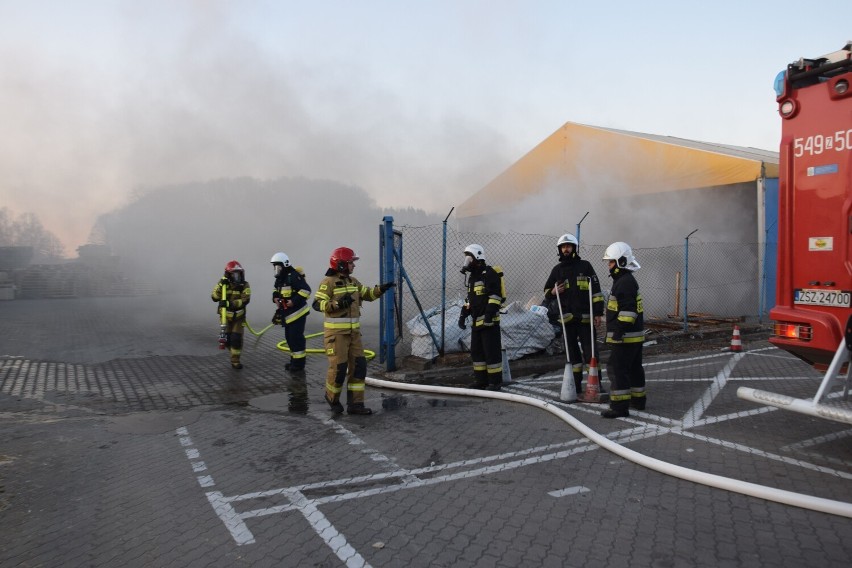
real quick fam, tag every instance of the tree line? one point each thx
(26, 230)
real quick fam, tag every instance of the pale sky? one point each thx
(419, 103)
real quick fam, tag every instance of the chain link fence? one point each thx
(722, 280)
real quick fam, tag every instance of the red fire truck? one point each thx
(814, 286)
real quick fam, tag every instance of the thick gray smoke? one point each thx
(176, 240)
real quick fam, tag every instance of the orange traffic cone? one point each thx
(736, 342)
(593, 385)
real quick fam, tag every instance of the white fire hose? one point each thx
(709, 479)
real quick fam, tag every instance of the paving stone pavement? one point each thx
(129, 441)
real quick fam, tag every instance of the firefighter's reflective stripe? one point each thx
(342, 323)
(628, 317)
(495, 368)
(480, 321)
(322, 300)
(479, 366)
(569, 318)
(617, 395)
(627, 337)
(297, 314)
(356, 386)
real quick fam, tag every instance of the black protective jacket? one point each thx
(624, 318)
(577, 275)
(484, 295)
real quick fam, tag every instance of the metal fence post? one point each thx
(444, 283)
(387, 346)
(686, 282)
(578, 231)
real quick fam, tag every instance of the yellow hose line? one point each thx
(258, 333)
(286, 348)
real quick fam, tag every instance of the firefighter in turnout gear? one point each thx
(485, 297)
(291, 299)
(572, 278)
(624, 334)
(339, 296)
(233, 294)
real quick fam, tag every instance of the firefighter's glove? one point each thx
(276, 295)
(223, 304)
(462, 319)
(223, 281)
(386, 286)
(344, 301)
(617, 334)
(277, 319)
(488, 319)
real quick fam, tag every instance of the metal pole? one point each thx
(387, 303)
(761, 308)
(578, 232)
(686, 282)
(444, 283)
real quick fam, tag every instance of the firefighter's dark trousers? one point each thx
(294, 335)
(346, 363)
(486, 355)
(234, 330)
(627, 376)
(579, 337)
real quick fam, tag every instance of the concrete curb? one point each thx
(457, 375)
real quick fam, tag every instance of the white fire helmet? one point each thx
(567, 238)
(622, 254)
(475, 251)
(279, 261)
(281, 258)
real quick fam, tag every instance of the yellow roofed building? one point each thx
(646, 189)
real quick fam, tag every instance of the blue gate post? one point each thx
(387, 353)
(578, 231)
(686, 282)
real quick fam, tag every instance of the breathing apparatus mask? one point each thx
(468, 264)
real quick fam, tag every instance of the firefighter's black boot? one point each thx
(480, 381)
(336, 407)
(637, 402)
(358, 408)
(617, 409)
(578, 382)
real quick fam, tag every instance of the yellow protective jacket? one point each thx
(237, 297)
(326, 300)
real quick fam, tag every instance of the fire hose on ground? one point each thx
(785, 497)
(282, 345)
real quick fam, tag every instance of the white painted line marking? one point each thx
(198, 466)
(697, 410)
(205, 481)
(193, 454)
(233, 522)
(569, 491)
(335, 541)
(185, 441)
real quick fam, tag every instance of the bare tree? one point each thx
(27, 230)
